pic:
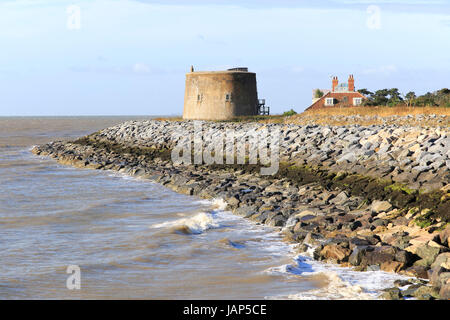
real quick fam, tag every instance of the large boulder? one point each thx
(401, 241)
(444, 235)
(392, 266)
(335, 252)
(358, 242)
(444, 293)
(379, 256)
(357, 254)
(428, 254)
(246, 211)
(393, 293)
(232, 202)
(405, 257)
(341, 198)
(277, 220)
(442, 260)
(380, 206)
(409, 292)
(439, 277)
(426, 293)
(417, 271)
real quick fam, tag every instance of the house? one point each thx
(340, 95)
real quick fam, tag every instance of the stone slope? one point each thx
(418, 157)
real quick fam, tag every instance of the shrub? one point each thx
(318, 94)
(289, 113)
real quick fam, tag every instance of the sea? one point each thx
(70, 233)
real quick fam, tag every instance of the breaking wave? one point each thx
(193, 225)
(340, 283)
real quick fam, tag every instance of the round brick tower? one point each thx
(220, 95)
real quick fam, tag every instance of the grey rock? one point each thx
(380, 206)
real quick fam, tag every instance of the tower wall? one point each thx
(220, 95)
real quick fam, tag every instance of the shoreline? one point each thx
(344, 216)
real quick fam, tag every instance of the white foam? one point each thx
(343, 283)
(196, 224)
(219, 204)
(291, 221)
(336, 289)
(203, 201)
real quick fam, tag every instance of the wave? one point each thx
(341, 283)
(193, 225)
(336, 289)
(216, 203)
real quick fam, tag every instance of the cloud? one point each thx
(298, 69)
(381, 70)
(208, 40)
(135, 69)
(244, 3)
(38, 3)
(398, 6)
(445, 22)
(141, 68)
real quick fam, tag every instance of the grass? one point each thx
(259, 118)
(382, 111)
(400, 187)
(365, 116)
(169, 119)
(422, 223)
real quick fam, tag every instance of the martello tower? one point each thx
(220, 95)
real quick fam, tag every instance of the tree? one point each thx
(318, 94)
(443, 92)
(365, 92)
(379, 98)
(428, 99)
(443, 97)
(395, 94)
(394, 97)
(410, 97)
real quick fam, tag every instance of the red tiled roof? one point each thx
(339, 96)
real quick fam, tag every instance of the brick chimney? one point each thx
(351, 83)
(334, 83)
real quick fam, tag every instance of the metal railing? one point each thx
(262, 108)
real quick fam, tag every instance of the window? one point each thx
(199, 97)
(329, 101)
(357, 101)
(228, 97)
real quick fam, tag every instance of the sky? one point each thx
(130, 57)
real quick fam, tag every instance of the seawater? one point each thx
(134, 239)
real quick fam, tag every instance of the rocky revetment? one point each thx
(371, 197)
